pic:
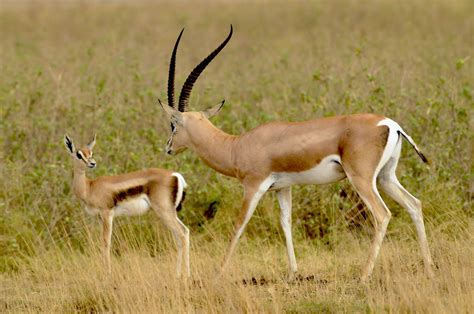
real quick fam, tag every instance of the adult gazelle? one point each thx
(364, 148)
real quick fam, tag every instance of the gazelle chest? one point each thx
(327, 171)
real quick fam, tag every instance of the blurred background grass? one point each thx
(84, 67)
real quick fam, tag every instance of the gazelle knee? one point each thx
(186, 235)
(417, 204)
(285, 222)
(180, 238)
(383, 217)
(415, 210)
(416, 216)
(387, 184)
(383, 178)
(186, 231)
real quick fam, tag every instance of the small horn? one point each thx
(193, 76)
(171, 72)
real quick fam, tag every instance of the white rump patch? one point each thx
(182, 185)
(327, 171)
(390, 146)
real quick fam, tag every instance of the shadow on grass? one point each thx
(262, 281)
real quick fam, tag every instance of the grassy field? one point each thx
(82, 68)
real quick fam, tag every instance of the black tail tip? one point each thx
(423, 157)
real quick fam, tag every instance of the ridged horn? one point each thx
(193, 76)
(171, 72)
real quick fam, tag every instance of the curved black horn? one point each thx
(193, 76)
(171, 72)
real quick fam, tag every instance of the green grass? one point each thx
(83, 68)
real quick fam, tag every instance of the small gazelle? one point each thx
(130, 194)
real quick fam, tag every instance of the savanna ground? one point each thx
(80, 67)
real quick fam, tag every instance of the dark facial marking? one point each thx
(79, 155)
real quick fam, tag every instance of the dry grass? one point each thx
(84, 67)
(69, 281)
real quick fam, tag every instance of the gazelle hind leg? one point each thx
(284, 199)
(167, 214)
(371, 197)
(362, 170)
(390, 184)
(181, 242)
(186, 246)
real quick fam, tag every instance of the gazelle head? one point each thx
(178, 116)
(83, 156)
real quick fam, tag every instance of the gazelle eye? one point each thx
(78, 155)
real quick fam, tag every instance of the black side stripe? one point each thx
(181, 203)
(129, 193)
(174, 193)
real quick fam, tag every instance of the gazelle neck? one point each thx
(213, 146)
(80, 183)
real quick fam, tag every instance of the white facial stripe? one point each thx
(170, 142)
(80, 155)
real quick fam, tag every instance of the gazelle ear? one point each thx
(92, 143)
(69, 144)
(170, 111)
(172, 114)
(214, 110)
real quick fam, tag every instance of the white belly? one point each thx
(327, 171)
(92, 211)
(133, 207)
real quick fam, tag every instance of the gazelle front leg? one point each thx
(284, 199)
(252, 195)
(107, 217)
